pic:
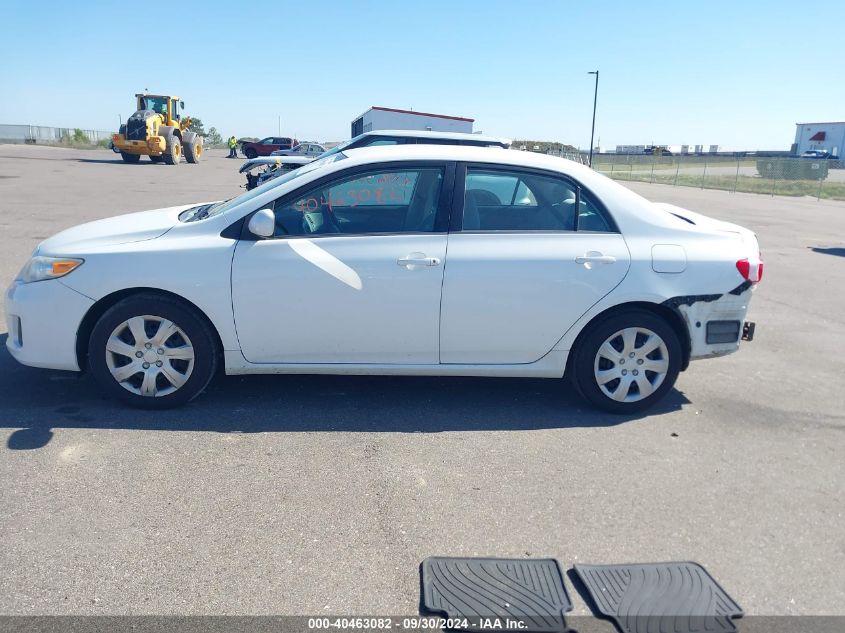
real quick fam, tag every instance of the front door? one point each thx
(352, 275)
(522, 269)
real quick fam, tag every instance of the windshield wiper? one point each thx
(200, 212)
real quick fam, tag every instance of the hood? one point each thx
(122, 229)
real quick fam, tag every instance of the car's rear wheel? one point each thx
(152, 351)
(627, 362)
(156, 159)
(250, 153)
(130, 158)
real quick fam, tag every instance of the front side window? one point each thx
(156, 104)
(497, 200)
(267, 141)
(383, 201)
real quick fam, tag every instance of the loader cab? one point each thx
(166, 106)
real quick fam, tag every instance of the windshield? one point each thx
(209, 211)
(156, 104)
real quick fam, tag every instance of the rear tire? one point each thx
(157, 159)
(193, 150)
(626, 362)
(130, 158)
(179, 363)
(173, 150)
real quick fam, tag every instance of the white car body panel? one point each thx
(491, 315)
(550, 366)
(203, 256)
(493, 321)
(47, 338)
(343, 298)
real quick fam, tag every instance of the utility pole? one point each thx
(595, 99)
(280, 125)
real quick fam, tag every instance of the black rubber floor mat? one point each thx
(525, 595)
(660, 598)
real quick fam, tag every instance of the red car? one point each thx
(266, 146)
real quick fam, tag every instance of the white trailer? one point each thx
(379, 118)
(826, 136)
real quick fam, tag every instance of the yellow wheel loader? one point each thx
(159, 131)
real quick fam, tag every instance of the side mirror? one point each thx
(262, 223)
(182, 105)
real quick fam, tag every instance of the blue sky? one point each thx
(729, 73)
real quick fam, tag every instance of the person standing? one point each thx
(233, 144)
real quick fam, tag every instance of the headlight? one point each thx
(39, 268)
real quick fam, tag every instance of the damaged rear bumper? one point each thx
(716, 323)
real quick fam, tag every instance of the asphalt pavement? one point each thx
(314, 495)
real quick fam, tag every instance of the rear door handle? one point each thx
(594, 257)
(417, 259)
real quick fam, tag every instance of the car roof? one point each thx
(467, 153)
(458, 136)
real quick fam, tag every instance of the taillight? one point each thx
(751, 270)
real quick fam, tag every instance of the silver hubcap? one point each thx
(149, 356)
(631, 364)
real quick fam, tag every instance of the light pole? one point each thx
(595, 99)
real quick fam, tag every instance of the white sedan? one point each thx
(413, 260)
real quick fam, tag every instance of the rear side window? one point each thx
(496, 200)
(374, 141)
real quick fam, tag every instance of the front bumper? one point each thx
(43, 319)
(155, 145)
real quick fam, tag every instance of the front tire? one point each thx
(173, 150)
(627, 362)
(250, 153)
(130, 158)
(152, 352)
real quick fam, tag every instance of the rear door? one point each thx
(523, 264)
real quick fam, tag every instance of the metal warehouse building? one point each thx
(378, 118)
(829, 136)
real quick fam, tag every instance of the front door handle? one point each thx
(594, 257)
(414, 260)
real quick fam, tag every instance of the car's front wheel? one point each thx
(250, 153)
(627, 362)
(152, 351)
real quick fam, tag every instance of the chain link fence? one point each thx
(782, 176)
(40, 134)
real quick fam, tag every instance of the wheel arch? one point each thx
(166, 130)
(86, 326)
(671, 315)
